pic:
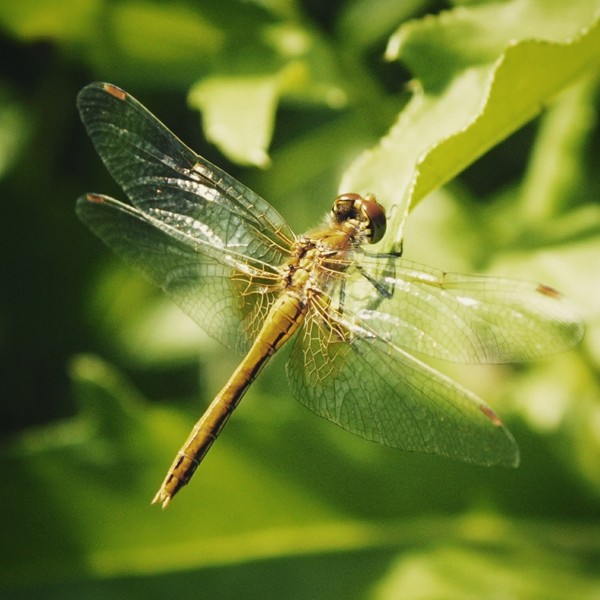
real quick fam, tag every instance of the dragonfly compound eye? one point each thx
(345, 207)
(362, 208)
(374, 214)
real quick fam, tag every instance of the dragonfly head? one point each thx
(364, 209)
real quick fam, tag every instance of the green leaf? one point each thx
(472, 97)
(239, 101)
(238, 114)
(509, 566)
(381, 15)
(556, 177)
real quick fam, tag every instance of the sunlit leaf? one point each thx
(238, 114)
(471, 100)
(239, 102)
(507, 567)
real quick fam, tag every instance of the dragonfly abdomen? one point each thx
(284, 318)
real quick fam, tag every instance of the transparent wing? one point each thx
(374, 389)
(211, 243)
(460, 318)
(230, 305)
(163, 178)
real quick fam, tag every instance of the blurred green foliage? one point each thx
(102, 377)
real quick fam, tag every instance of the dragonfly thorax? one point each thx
(323, 254)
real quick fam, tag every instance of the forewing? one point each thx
(165, 179)
(228, 304)
(460, 318)
(374, 389)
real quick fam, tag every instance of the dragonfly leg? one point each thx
(382, 288)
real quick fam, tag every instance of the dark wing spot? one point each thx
(491, 415)
(115, 91)
(548, 291)
(95, 198)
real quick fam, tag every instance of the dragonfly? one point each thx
(360, 323)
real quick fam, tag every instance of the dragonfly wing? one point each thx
(228, 304)
(372, 388)
(164, 178)
(460, 318)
